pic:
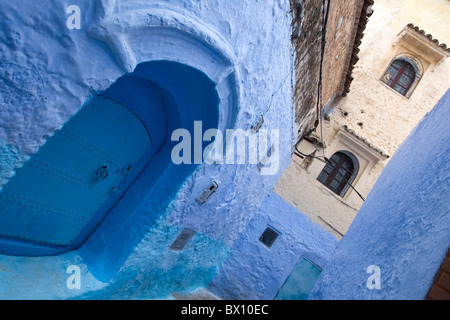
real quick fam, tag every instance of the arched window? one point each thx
(340, 173)
(401, 76)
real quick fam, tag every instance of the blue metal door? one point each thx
(60, 190)
(300, 282)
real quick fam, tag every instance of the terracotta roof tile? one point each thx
(367, 142)
(429, 36)
(363, 19)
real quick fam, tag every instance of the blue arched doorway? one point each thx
(119, 140)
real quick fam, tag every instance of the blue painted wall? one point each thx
(50, 72)
(254, 271)
(404, 225)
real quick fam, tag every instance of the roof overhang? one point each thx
(423, 44)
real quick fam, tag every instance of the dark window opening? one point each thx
(400, 76)
(339, 174)
(268, 237)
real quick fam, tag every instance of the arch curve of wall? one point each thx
(158, 43)
(149, 41)
(159, 32)
(414, 61)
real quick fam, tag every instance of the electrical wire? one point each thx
(276, 91)
(319, 121)
(329, 162)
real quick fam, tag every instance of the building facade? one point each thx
(400, 73)
(97, 95)
(99, 98)
(397, 247)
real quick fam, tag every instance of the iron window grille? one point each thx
(400, 76)
(339, 174)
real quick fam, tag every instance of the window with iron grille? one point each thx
(400, 76)
(339, 174)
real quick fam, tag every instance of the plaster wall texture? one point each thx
(50, 71)
(254, 271)
(375, 112)
(404, 226)
(299, 188)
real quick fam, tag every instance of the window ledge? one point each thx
(392, 90)
(340, 199)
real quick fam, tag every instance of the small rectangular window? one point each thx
(268, 237)
(182, 240)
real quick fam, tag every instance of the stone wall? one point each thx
(403, 229)
(307, 42)
(372, 110)
(342, 31)
(342, 26)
